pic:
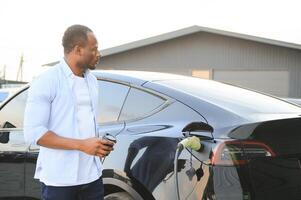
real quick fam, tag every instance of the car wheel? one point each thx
(119, 196)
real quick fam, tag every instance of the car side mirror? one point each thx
(199, 129)
(4, 135)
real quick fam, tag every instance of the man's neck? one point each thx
(77, 71)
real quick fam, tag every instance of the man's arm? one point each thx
(36, 117)
(92, 146)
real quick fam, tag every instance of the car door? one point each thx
(12, 148)
(153, 130)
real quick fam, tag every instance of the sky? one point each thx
(35, 28)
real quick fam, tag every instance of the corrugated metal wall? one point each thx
(210, 51)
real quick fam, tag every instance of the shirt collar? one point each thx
(67, 70)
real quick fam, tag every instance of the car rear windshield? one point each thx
(232, 98)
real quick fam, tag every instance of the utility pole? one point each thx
(2, 76)
(20, 69)
(2, 72)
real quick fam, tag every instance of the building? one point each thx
(11, 83)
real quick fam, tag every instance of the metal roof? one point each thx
(191, 30)
(188, 31)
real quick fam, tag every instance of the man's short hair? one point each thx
(75, 35)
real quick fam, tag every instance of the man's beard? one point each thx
(86, 66)
(92, 67)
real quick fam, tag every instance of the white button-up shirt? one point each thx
(51, 105)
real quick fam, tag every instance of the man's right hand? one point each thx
(92, 146)
(96, 146)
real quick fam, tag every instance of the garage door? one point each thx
(268, 81)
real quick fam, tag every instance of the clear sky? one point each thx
(35, 27)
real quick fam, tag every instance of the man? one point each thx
(60, 117)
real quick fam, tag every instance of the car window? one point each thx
(111, 99)
(139, 103)
(12, 114)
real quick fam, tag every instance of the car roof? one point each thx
(135, 77)
(229, 97)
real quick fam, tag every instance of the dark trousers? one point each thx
(89, 191)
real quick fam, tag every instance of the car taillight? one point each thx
(237, 152)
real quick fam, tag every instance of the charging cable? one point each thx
(190, 142)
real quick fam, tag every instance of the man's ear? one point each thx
(78, 50)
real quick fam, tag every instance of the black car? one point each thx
(251, 142)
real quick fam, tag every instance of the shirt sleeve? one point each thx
(37, 110)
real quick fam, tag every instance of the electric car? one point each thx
(250, 142)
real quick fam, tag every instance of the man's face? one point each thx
(91, 55)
